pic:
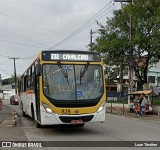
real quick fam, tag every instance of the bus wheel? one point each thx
(23, 113)
(80, 125)
(32, 112)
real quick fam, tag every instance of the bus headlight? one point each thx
(47, 108)
(101, 108)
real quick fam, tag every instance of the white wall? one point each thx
(8, 94)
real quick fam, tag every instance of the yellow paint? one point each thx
(82, 110)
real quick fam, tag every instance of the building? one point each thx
(154, 75)
(153, 78)
(8, 91)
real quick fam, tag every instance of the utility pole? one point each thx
(15, 76)
(91, 43)
(130, 79)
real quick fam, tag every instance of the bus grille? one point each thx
(69, 119)
(75, 104)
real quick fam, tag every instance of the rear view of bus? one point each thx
(69, 88)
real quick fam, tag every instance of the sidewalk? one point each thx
(6, 116)
(8, 130)
(126, 113)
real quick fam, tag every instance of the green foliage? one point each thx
(10, 80)
(156, 101)
(119, 48)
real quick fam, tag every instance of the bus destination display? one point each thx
(47, 56)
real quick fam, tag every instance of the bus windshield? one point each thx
(72, 82)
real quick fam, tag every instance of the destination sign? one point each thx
(66, 56)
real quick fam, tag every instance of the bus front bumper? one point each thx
(53, 119)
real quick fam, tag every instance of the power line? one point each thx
(78, 31)
(107, 12)
(20, 58)
(90, 20)
(80, 28)
(20, 35)
(83, 27)
(19, 44)
(31, 24)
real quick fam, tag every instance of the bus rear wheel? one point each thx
(23, 113)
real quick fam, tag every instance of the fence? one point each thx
(117, 101)
(116, 96)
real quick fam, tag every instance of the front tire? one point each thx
(32, 113)
(23, 113)
(33, 117)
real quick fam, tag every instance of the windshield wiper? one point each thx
(83, 72)
(64, 71)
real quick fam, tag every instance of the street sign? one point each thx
(122, 0)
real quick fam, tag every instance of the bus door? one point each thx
(37, 95)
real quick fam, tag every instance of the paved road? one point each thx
(115, 128)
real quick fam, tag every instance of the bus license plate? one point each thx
(76, 122)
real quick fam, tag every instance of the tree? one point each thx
(10, 80)
(143, 48)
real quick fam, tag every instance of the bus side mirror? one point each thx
(38, 70)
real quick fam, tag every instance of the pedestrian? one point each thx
(136, 106)
(148, 101)
(148, 105)
(140, 101)
(143, 106)
(131, 106)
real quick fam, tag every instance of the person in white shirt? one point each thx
(143, 106)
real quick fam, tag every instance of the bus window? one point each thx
(58, 81)
(38, 69)
(25, 82)
(72, 82)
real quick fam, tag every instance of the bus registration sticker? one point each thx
(76, 122)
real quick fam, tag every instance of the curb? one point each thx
(10, 122)
(146, 117)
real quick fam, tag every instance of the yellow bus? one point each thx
(64, 87)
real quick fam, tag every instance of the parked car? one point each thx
(14, 100)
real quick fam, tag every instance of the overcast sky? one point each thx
(28, 26)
